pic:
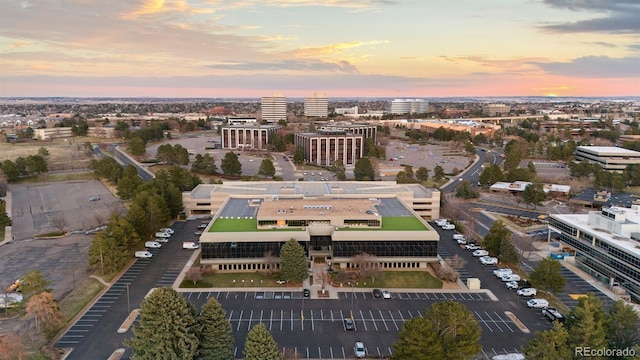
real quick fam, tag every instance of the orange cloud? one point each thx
(332, 48)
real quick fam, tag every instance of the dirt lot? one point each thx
(63, 155)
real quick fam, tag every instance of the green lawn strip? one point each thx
(79, 297)
(243, 225)
(394, 223)
(239, 280)
(400, 280)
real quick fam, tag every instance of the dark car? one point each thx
(306, 293)
(348, 324)
(377, 293)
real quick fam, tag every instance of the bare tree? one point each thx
(59, 222)
(290, 354)
(524, 245)
(367, 265)
(322, 275)
(446, 270)
(270, 261)
(194, 274)
(43, 309)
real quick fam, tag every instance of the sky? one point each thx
(340, 48)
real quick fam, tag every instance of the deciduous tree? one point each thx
(43, 309)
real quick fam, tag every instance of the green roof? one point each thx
(389, 223)
(395, 223)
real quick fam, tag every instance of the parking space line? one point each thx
(363, 321)
(230, 315)
(239, 321)
(260, 316)
(394, 322)
(482, 321)
(281, 319)
(494, 322)
(291, 320)
(374, 320)
(319, 353)
(313, 326)
(308, 353)
(331, 351)
(344, 356)
(506, 323)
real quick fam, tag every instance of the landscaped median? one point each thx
(239, 280)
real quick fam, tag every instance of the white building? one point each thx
(273, 108)
(316, 106)
(607, 244)
(409, 106)
(496, 109)
(608, 157)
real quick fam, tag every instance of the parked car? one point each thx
(162, 234)
(152, 245)
(480, 252)
(511, 356)
(202, 226)
(473, 246)
(537, 303)
(458, 236)
(359, 350)
(511, 285)
(348, 324)
(377, 293)
(143, 255)
(488, 260)
(511, 277)
(441, 222)
(190, 245)
(499, 272)
(95, 198)
(461, 241)
(197, 233)
(552, 314)
(162, 240)
(449, 227)
(306, 293)
(527, 292)
(386, 294)
(167, 230)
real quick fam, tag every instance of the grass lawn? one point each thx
(238, 280)
(243, 225)
(400, 280)
(78, 298)
(395, 223)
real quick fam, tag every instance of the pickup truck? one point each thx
(552, 314)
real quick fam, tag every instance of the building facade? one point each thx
(409, 106)
(323, 148)
(496, 109)
(608, 157)
(607, 244)
(333, 221)
(316, 106)
(250, 137)
(273, 108)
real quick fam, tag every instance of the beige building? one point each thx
(334, 221)
(496, 109)
(248, 136)
(273, 108)
(53, 133)
(316, 106)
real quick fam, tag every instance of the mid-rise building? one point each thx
(610, 158)
(496, 109)
(273, 108)
(333, 221)
(409, 106)
(248, 136)
(316, 106)
(324, 147)
(606, 244)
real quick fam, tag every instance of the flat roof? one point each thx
(607, 150)
(311, 208)
(581, 222)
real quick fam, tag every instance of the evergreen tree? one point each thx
(204, 164)
(108, 251)
(498, 243)
(260, 345)
(298, 156)
(534, 194)
(129, 183)
(587, 324)
(363, 170)
(34, 283)
(137, 146)
(147, 213)
(266, 168)
(293, 261)
(339, 170)
(490, 175)
(622, 327)
(549, 344)
(230, 164)
(447, 330)
(547, 277)
(422, 174)
(167, 328)
(214, 330)
(438, 173)
(465, 191)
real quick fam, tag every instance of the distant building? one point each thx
(409, 106)
(273, 108)
(52, 133)
(247, 136)
(316, 106)
(496, 109)
(241, 120)
(324, 147)
(519, 186)
(608, 157)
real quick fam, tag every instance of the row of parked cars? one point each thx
(444, 223)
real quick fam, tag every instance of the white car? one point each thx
(461, 241)
(499, 272)
(511, 277)
(143, 254)
(167, 230)
(537, 303)
(473, 247)
(527, 292)
(190, 245)
(449, 227)
(441, 222)
(386, 294)
(458, 236)
(162, 240)
(488, 260)
(152, 245)
(511, 285)
(480, 252)
(359, 350)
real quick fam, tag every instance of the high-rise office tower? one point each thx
(409, 106)
(316, 106)
(273, 108)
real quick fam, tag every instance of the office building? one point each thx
(608, 157)
(409, 106)
(333, 221)
(607, 244)
(316, 106)
(324, 147)
(248, 136)
(496, 109)
(273, 108)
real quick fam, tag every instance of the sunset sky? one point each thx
(343, 48)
